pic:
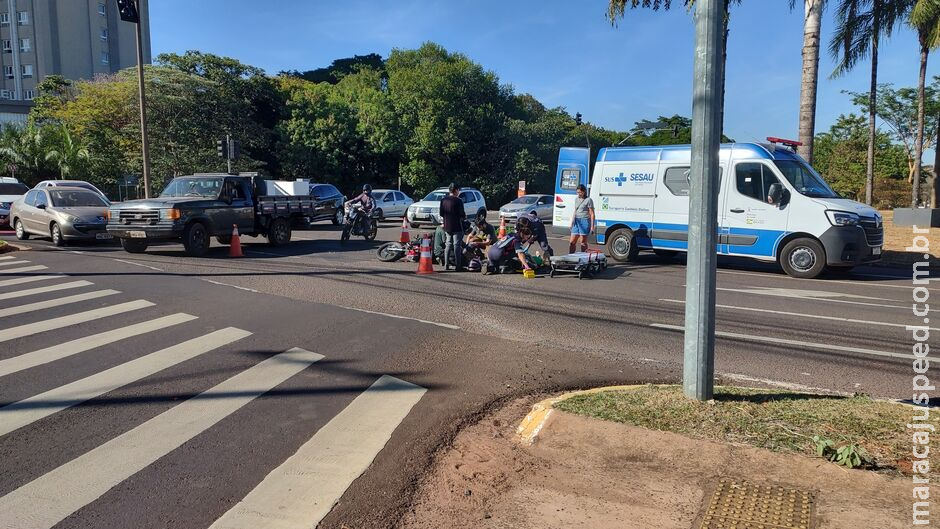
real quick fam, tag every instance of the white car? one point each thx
(71, 183)
(428, 210)
(10, 190)
(391, 203)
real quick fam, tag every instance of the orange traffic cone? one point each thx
(235, 248)
(426, 264)
(502, 227)
(405, 236)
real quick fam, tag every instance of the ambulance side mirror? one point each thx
(777, 195)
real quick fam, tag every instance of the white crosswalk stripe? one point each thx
(12, 263)
(49, 499)
(304, 489)
(6, 257)
(297, 494)
(44, 290)
(72, 319)
(19, 414)
(62, 350)
(28, 279)
(34, 268)
(58, 302)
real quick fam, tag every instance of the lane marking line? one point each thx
(21, 413)
(58, 302)
(137, 264)
(396, 316)
(73, 319)
(302, 490)
(13, 263)
(63, 350)
(827, 300)
(839, 281)
(798, 343)
(49, 499)
(804, 315)
(43, 290)
(232, 286)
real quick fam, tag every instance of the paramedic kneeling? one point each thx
(582, 222)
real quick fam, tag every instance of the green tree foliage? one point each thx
(841, 154)
(340, 68)
(897, 108)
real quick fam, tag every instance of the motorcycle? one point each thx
(395, 251)
(358, 222)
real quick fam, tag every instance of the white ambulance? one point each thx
(772, 206)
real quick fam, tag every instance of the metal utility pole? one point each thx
(698, 377)
(130, 12)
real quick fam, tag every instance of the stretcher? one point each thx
(585, 264)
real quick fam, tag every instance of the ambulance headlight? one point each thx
(842, 218)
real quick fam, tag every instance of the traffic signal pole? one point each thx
(144, 145)
(228, 152)
(698, 377)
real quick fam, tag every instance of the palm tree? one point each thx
(860, 25)
(812, 27)
(68, 155)
(925, 19)
(24, 146)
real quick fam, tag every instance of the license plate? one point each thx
(137, 234)
(103, 236)
(876, 251)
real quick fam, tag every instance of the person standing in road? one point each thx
(582, 222)
(452, 216)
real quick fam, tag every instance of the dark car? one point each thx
(329, 203)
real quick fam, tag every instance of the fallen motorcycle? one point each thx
(396, 251)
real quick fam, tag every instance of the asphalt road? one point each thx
(158, 390)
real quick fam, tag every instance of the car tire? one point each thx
(379, 215)
(803, 258)
(21, 232)
(621, 245)
(196, 239)
(132, 246)
(279, 232)
(414, 225)
(337, 217)
(55, 233)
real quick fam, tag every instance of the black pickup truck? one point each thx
(195, 208)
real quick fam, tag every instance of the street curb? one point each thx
(532, 424)
(10, 247)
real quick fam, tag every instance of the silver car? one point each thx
(10, 192)
(62, 214)
(542, 205)
(391, 203)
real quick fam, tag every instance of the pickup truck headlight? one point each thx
(842, 218)
(169, 214)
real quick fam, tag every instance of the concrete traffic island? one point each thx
(747, 453)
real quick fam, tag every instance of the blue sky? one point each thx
(563, 52)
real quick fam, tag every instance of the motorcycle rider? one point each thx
(366, 200)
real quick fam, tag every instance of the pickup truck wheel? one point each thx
(279, 232)
(337, 217)
(21, 232)
(224, 239)
(132, 246)
(621, 245)
(803, 258)
(196, 239)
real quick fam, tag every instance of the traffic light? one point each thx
(577, 119)
(221, 147)
(234, 149)
(675, 131)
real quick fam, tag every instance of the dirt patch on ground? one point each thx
(897, 238)
(590, 473)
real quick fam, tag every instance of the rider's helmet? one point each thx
(367, 189)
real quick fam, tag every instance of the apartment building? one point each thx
(77, 39)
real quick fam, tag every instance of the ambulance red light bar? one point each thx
(788, 143)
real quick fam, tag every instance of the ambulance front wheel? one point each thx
(803, 258)
(621, 245)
